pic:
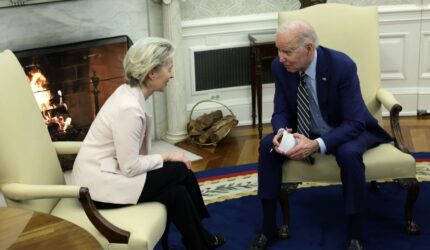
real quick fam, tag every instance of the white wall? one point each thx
(198, 9)
(56, 23)
(402, 28)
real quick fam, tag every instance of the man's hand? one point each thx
(304, 147)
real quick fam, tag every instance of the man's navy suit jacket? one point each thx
(339, 98)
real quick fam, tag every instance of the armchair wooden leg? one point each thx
(285, 191)
(413, 187)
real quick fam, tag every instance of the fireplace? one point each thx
(72, 81)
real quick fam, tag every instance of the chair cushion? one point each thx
(384, 161)
(145, 222)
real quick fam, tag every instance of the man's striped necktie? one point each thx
(303, 111)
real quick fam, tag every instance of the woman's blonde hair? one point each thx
(145, 55)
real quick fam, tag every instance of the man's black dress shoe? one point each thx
(219, 240)
(284, 232)
(259, 242)
(354, 244)
(412, 228)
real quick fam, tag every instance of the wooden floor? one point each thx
(241, 145)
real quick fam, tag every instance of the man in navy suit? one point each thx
(340, 124)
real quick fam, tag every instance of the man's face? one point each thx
(292, 55)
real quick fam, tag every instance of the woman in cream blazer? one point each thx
(115, 163)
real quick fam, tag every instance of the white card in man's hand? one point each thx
(288, 142)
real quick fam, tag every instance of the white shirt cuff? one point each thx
(321, 145)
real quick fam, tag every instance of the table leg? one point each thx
(253, 84)
(258, 83)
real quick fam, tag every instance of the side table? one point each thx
(27, 229)
(262, 48)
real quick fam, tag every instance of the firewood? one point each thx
(203, 138)
(210, 127)
(206, 120)
(228, 121)
(225, 120)
(192, 130)
(223, 131)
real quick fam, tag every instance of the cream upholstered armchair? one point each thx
(354, 31)
(31, 176)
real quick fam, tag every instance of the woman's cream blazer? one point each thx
(113, 159)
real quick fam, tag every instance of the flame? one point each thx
(38, 83)
(42, 94)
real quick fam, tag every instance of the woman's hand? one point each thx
(174, 156)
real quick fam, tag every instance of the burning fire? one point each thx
(42, 94)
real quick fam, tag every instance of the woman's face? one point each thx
(159, 77)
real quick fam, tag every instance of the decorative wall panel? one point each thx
(393, 67)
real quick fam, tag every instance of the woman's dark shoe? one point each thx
(218, 240)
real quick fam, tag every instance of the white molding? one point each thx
(425, 61)
(402, 91)
(384, 41)
(211, 105)
(268, 21)
(400, 13)
(230, 20)
(233, 24)
(426, 13)
(424, 90)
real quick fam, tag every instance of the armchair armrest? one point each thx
(386, 98)
(18, 191)
(67, 147)
(393, 106)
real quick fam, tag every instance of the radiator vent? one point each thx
(224, 68)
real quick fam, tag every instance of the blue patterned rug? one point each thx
(317, 219)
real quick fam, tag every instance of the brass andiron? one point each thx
(96, 80)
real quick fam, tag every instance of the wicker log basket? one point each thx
(209, 129)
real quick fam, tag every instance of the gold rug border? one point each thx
(422, 169)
